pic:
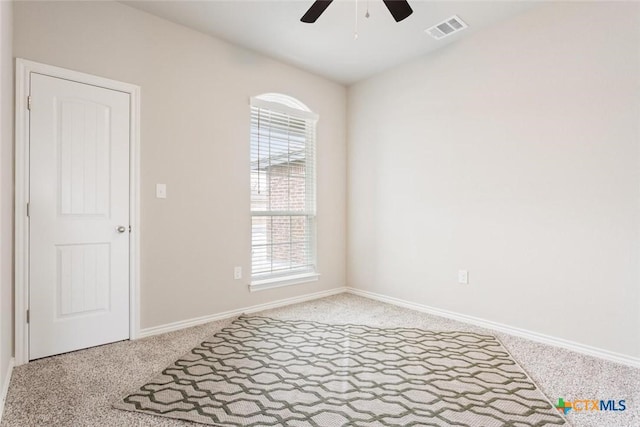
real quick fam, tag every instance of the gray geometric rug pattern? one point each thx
(266, 372)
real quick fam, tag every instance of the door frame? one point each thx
(24, 68)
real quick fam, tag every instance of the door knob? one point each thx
(121, 229)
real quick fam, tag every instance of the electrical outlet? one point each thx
(463, 277)
(237, 273)
(161, 191)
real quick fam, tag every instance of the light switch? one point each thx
(161, 191)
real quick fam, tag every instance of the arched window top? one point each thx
(283, 99)
(283, 104)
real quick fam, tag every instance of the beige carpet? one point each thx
(260, 371)
(78, 389)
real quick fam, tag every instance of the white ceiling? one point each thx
(328, 47)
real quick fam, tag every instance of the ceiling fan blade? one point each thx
(315, 11)
(400, 9)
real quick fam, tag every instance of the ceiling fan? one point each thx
(399, 9)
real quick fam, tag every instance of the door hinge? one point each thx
(129, 229)
(29, 102)
(28, 210)
(28, 317)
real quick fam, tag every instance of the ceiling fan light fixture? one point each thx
(399, 9)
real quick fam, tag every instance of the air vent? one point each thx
(446, 28)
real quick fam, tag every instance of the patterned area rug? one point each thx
(267, 372)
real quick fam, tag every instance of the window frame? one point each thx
(284, 104)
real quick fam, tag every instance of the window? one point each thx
(283, 188)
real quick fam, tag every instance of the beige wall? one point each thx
(6, 190)
(195, 138)
(513, 153)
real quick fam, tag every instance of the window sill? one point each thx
(278, 282)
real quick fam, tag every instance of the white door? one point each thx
(79, 216)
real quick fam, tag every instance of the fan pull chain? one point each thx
(355, 34)
(366, 15)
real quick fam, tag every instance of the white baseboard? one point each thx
(496, 326)
(4, 388)
(175, 326)
(524, 333)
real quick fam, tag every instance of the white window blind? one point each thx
(283, 188)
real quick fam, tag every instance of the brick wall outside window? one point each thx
(287, 189)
